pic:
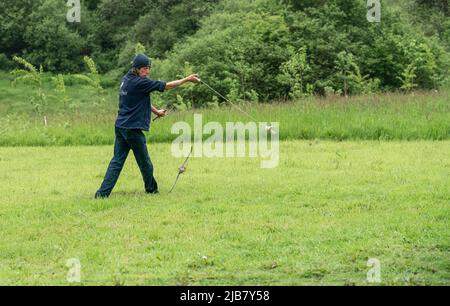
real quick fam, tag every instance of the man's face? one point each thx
(144, 72)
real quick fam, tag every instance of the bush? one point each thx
(50, 41)
(248, 50)
(239, 54)
(260, 49)
(5, 63)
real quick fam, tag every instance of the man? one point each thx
(134, 117)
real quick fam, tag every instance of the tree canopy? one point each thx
(250, 50)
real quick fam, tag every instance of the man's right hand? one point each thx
(193, 78)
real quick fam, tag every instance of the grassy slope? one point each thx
(88, 122)
(314, 220)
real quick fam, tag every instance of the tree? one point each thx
(30, 74)
(92, 78)
(51, 41)
(441, 5)
(15, 17)
(295, 73)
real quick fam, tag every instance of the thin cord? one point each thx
(237, 107)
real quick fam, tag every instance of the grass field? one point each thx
(316, 219)
(359, 178)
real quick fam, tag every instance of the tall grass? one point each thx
(391, 116)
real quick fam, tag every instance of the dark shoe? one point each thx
(154, 192)
(100, 196)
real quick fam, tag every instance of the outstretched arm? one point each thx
(171, 85)
(192, 78)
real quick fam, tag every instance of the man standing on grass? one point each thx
(134, 117)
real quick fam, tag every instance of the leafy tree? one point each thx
(92, 78)
(175, 20)
(441, 5)
(349, 76)
(249, 50)
(5, 62)
(31, 75)
(60, 89)
(295, 72)
(15, 18)
(51, 41)
(407, 78)
(238, 53)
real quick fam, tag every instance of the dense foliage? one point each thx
(255, 50)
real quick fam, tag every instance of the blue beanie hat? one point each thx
(141, 60)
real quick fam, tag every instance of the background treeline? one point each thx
(256, 50)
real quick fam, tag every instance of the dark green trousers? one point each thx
(127, 140)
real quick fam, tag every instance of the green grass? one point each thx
(87, 121)
(316, 219)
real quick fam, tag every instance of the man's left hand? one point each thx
(161, 113)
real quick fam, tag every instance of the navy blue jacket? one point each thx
(135, 102)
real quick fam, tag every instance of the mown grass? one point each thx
(316, 219)
(88, 121)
